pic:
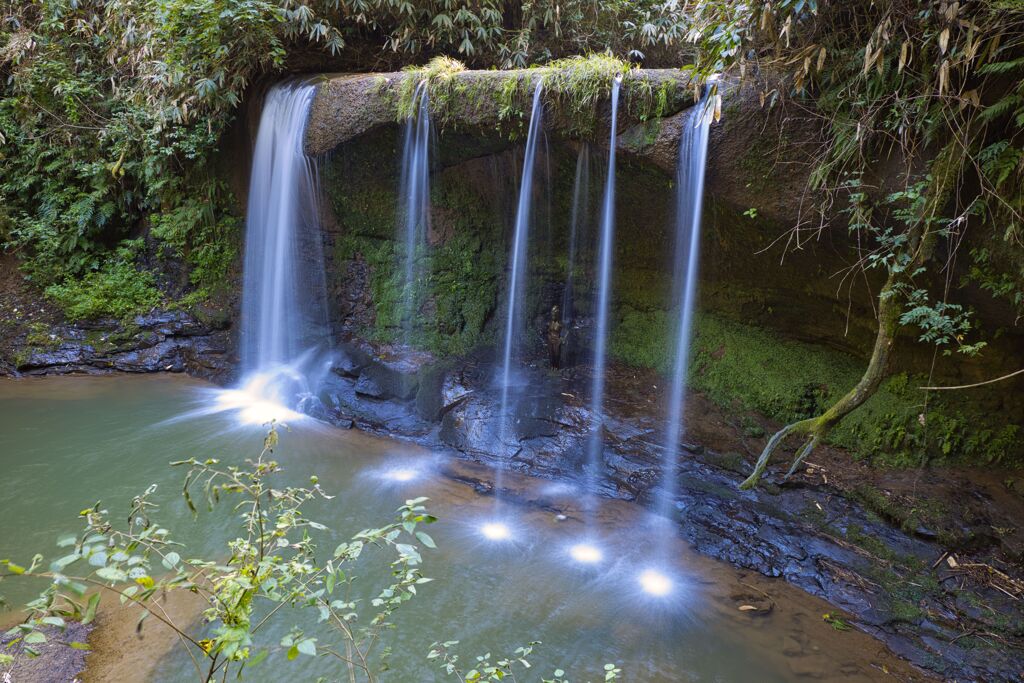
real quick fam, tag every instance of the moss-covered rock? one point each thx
(456, 290)
(350, 105)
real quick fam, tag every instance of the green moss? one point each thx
(914, 513)
(455, 292)
(38, 335)
(440, 74)
(573, 88)
(746, 368)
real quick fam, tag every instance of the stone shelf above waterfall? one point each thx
(350, 105)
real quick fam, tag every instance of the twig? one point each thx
(971, 386)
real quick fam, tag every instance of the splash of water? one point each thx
(414, 215)
(607, 245)
(577, 219)
(284, 310)
(693, 148)
(517, 275)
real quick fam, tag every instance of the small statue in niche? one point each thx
(555, 336)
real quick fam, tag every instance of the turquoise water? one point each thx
(70, 441)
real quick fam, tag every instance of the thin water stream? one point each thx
(414, 213)
(605, 256)
(693, 152)
(579, 216)
(117, 435)
(518, 261)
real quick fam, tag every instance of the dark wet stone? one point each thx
(172, 323)
(388, 380)
(430, 394)
(57, 661)
(67, 354)
(169, 341)
(367, 385)
(349, 361)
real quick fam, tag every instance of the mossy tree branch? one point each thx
(920, 245)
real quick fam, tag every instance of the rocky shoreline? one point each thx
(162, 341)
(946, 615)
(945, 609)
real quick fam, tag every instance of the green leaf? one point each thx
(35, 638)
(90, 608)
(171, 560)
(425, 539)
(308, 647)
(111, 574)
(76, 645)
(258, 659)
(59, 564)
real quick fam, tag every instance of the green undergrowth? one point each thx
(117, 289)
(205, 233)
(746, 368)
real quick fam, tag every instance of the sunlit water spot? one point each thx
(655, 583)
(251, 409)
(279, 394)
(401, 474)
(496, 531)
(586, 553)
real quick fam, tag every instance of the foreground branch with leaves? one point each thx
(271, 565)
(271, 575)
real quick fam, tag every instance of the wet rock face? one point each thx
(162, 341)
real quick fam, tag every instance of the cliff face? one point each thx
(760, 282)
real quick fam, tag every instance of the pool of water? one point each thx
(68, 442)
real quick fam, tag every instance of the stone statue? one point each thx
(554, 337)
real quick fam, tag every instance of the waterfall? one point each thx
(414, 215)
(577, 219)
(693, 150)
(284, 312)
(517, 274)
(604, 262)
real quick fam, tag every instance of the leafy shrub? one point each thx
(118, 289)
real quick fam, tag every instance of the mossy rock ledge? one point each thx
(350, 105)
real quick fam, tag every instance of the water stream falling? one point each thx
(284, 312)
(517, 274)
(595, 446)
(693, 150)
(414, 216)
(578, 217)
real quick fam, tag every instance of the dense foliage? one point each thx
(112, 110)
